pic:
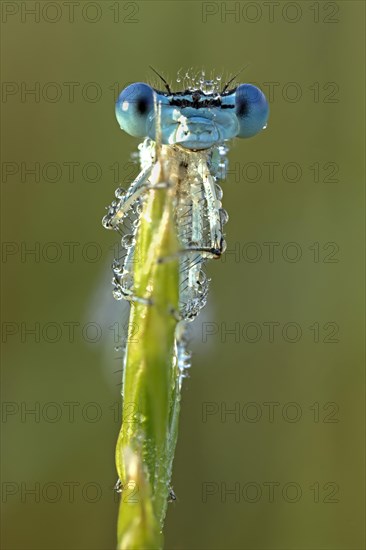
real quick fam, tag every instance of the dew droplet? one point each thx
(126, 281)
(139, 208)
(120, 193)
(117, 293)
(106, 222)
(224, 216)
(219, 192)
(202, 285)
(117, 268)
(208, 87)
(202, 278)
(128, 240)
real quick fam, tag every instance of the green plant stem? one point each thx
(145, 447)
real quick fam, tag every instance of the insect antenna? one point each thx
(162, 79)
(232, 79)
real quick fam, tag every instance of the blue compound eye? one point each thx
(133, 107)
(251, 109)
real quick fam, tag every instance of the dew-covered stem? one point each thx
(145, 446)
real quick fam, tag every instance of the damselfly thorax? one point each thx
(185, 139)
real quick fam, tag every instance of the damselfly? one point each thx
(188, 131)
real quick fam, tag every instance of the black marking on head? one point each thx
(196, 99)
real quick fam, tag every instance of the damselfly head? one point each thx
(196, 118)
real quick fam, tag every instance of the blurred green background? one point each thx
(293, 451)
